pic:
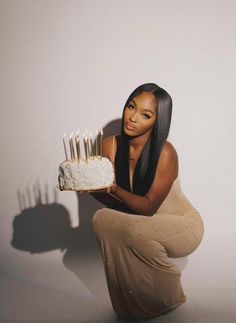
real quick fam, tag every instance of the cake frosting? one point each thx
(95, 173)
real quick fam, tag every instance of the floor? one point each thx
(53, 283)
(210, 290)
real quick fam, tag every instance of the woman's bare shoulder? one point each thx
(169, 149)
(168, 161)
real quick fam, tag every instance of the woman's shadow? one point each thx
(43, 226)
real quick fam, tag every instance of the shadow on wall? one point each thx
(41, 227)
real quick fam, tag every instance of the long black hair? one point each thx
(147, 163)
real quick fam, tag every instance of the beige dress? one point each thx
(142, 280)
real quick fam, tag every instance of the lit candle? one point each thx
(77, 142)
(85, 147)
(64, 143)
(96, 143)
(91, 145)
(72, 151)
(86, 144)
(101, 135)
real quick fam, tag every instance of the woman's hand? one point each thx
(109, 189)
(112, 189)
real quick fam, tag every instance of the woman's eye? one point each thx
(146, 116)
(130, 106)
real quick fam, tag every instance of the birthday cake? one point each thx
(92, 174)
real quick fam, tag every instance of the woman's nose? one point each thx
(133, 117)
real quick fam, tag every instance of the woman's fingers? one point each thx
(92, 191)
(108, 189)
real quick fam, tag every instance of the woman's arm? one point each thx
(166, 173)
(105, 198)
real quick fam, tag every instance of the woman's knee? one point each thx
(98, 217)
(106, 221)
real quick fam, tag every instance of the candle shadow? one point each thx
(41, 226)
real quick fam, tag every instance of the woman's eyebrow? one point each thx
(148, 111)
(133, 102)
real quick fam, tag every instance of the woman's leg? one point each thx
(142, 280)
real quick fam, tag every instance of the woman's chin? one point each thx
(130, 133)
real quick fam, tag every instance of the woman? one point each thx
(148, 218)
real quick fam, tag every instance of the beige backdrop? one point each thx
(71, 64)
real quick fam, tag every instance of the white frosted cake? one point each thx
(97, 173)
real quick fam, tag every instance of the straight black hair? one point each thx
(146, 165)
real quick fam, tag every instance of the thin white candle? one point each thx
(101, 136)
(72, 151)
(85, 147)
(64, 144)
(91, 145)
(77, 144)
(96, 133)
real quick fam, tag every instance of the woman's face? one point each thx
(140, 114)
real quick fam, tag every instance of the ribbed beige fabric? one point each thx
(142, 281)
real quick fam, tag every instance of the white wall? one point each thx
(71, 64)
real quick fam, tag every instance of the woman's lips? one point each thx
(129, 126)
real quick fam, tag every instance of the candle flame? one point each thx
(101, 132)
